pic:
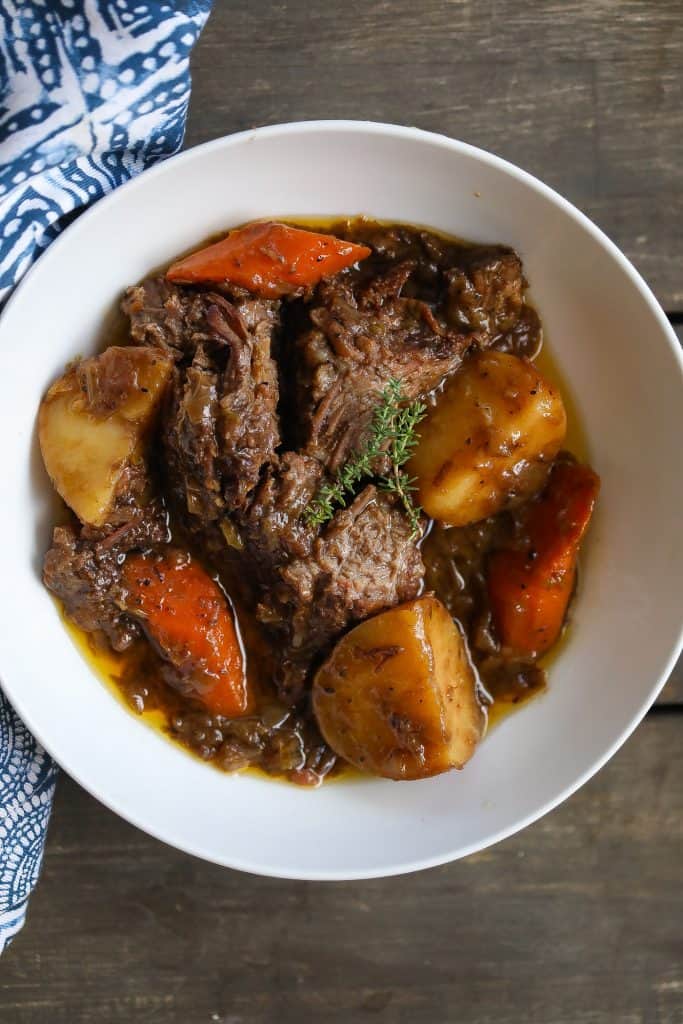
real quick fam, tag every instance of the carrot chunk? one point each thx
(186, 616)
(269, 259)
(530, 588)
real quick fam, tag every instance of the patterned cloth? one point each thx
(91, 92)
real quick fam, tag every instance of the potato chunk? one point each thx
(488, 440)
(398, 695)
(92, 423)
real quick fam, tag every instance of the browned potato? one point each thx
(92, 423)
(488, 440)
(398, 695)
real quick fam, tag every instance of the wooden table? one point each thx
(579, 918)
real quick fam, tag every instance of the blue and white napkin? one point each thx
(91, 93)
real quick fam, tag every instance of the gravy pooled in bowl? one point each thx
(321, 507)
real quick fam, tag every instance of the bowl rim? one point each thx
(414, 134)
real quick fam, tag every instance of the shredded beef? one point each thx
(359, 340)
(158, 313)
(248, 423)
(485, 293)
(83, 569)
(221, 424)
(273, 528)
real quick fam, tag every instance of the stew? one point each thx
(321, 507)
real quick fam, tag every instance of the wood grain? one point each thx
(376, 30)
(578, 919)
(588, 96)
(672, 694)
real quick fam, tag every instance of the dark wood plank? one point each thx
(673, 691)
(588, 96)
(600, 29)
(644, 226)
(575, 920)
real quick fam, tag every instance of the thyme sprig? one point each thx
(392, 434)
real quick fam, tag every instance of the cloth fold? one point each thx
(91, 93)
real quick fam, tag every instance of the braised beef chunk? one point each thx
(221, 424)
(273, 528)
(83, 569)
(248, 424)
(494, 275)
(190, 440)
(525, 337)
(362, 337)
(485, 293)
(235, 331)
(158, 314)
(179, 319)
(85, 581)
(364, 561)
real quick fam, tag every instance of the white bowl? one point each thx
(622, 361)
